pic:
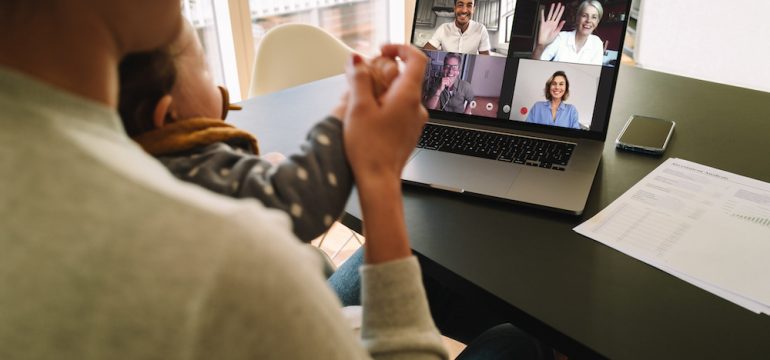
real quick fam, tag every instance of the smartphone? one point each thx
(645, 134)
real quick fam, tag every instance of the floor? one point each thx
(340, 244)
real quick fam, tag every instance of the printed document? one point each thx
(704, 225)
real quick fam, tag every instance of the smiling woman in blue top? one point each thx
(554, 111)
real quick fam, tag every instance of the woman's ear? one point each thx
(162, 111)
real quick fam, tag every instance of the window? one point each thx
(507, 8)
(230, 30)
(360, 24)
(201, 14)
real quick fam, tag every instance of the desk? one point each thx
(529, 265)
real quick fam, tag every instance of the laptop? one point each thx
(518, 124)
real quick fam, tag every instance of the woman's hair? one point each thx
(18, 11)
(551, 79)
(145, 78)
(593, 3)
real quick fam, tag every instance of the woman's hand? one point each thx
(384, 71)
(550, 26)
(380, 133)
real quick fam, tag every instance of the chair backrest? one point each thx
(294, 54)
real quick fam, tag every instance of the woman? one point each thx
(121, 260)
(579, 45)
(554, 111)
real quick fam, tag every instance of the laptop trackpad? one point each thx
(459, 172)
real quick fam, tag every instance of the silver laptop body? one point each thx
(559, 190)
(521, 79)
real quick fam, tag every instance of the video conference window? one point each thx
(577, 31)
(458, 26)
(557, 52)
(463, 83)
(556, 94)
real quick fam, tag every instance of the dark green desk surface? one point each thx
(580, 295)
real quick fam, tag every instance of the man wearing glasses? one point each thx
(446, 91)
(462, 35)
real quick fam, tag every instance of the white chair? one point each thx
(294, 54)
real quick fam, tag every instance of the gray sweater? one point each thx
(105, 255)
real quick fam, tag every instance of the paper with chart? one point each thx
(706, 226)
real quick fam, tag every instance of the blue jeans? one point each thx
(455, 316)
(346, 281)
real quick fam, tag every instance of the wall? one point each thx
(409, 17)
(725, 42)
(487, 76)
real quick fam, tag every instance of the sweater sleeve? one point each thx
(312, 186)
(269, 300)
(396, 312)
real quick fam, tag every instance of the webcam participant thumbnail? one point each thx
(575, 31)
(579, 45)
(445, 90)
(462, 83)
(555, 110)
(543, 88)
(462, 35)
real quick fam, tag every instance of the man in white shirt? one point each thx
(462, 35)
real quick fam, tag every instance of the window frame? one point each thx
(232, 19)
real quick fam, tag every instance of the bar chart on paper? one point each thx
(754, 219)
(749, 206)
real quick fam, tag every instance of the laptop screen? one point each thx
(540, 65)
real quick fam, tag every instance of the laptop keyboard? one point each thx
(503, 147)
